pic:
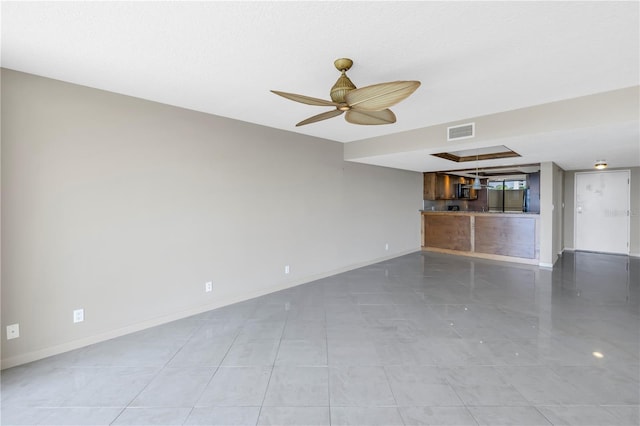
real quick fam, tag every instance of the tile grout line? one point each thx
(397, 407)
(160, 369)
(273, 367)
(542, 414)
(464, 404)
(326, 347)
(204, 388)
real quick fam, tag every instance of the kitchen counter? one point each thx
(453, 212)
(510, 236)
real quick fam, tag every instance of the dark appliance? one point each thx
(463, 191)
(526, 201)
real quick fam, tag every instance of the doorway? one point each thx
(602, 211)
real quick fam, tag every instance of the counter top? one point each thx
(474, 213)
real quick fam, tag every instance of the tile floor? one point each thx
(420, 339)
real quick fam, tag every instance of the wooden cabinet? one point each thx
(442, 186)
(439, 186)
(497, 236)
(429, 188)
(473, 193)
(447, 232)
(506, 235)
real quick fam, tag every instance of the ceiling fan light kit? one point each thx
(600, 164)
(365, 106)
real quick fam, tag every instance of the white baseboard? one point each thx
(571, 249)
(86, 341)
(547, 265)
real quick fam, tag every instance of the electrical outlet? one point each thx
(286, 269)
(13, 331)
(208, 286)
(386, 246)
(78, 315)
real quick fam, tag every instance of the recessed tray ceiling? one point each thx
(486, 153)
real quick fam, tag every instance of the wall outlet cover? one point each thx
(208, 286)
(78, 315)
(13, 331)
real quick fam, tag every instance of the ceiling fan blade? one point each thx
(320, 117)
(380, 96)
(305, 99)
(386, 116)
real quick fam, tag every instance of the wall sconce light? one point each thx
(600, 165)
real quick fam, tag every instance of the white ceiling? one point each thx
(473, 59)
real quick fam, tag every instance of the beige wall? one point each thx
(569, 209)
(126, 208)
(558, 220)
(551, 220)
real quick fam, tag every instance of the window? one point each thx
(507, 195)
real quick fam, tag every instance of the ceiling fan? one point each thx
(368, 105)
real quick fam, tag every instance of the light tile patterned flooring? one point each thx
(420, 339)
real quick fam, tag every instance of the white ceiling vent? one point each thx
(463, 131)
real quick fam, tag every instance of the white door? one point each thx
(602, 211)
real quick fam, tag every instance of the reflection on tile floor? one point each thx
(421, 339)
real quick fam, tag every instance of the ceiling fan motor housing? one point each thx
(341, 88)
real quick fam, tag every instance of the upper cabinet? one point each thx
(438, 186)
(442, 186)
(429, 188)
